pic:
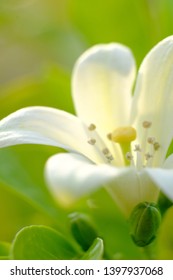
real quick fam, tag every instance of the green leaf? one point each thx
(95, 252)
(165, 237)
(4, 250)
(41, 243)
(26, 179)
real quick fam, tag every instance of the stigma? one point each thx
(124, 134)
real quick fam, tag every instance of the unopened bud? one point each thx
(82, 230)
(144, 223)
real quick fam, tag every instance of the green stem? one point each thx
(149, 252)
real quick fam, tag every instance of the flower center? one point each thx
(138, 155)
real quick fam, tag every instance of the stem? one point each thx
(149, 252)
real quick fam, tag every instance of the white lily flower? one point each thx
(118, 140)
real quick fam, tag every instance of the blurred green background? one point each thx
(39, 43)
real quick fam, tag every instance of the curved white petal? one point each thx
(48, 126)
(101, 83)
(164, 180)
(153, 96)
(131, 188)
(70, 176)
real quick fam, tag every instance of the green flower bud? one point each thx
(144, 223)
(82, 230)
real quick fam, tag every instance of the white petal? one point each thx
(164, 180)
(43, 125)
(153, 97)
(131, 188)
(101, 83)
(71, 176)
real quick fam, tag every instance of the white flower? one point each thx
(118, 140)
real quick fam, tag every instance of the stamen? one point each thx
(109, 136)
(99, 144)
(151, 140)
(129, 157)
(139, 159)
(110, 158)
(146, 124)
(91, 127)
(148, 156)
(156, 146)
(149, 159)
(92, 141)
(107, 154)
(137, 148)
(105, 151)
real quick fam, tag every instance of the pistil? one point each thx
(124, 136)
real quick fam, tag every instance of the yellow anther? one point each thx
(129, 156)
(92, 141)
(156, 146)
(105, 151)
(137, 148)
(151, 140)
(148, 156)
(92, 127)
(124, 134)
(146, 124)
(109, 136)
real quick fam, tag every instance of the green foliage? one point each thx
(95, 252)
(4, 250)
(41, 243)
(14, 176)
